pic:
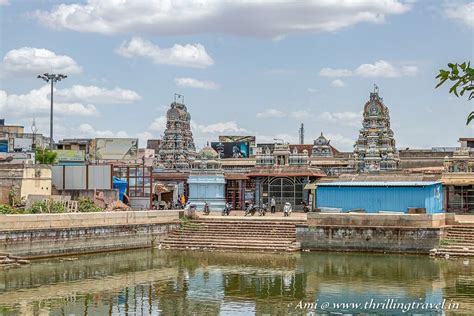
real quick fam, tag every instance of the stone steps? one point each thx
(245, 248)
(458, 242)
(241, 235)
(222, 240)
(8, 260)
(231, 234)
(239, 232)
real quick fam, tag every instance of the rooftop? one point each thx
(380, 184)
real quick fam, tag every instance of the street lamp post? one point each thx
(51, 78)
(34, 129)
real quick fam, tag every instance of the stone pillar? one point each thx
(258, 195)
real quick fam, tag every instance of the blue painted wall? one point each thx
(387, 198)
(207, 188)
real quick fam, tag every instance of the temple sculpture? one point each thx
(177, 149)
(375, 148)
(322, 148)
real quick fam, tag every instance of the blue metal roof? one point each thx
(379, 184)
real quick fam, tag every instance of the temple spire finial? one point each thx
(376, 89)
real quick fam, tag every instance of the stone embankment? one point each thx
(235, 234)
(458, 241)
(47, 235)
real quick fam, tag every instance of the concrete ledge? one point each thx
(78, 220)
(380, 220)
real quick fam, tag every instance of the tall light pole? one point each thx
(51, 78)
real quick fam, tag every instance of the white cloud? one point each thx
(287, 138)
(37, 102)
(159, 124)
(330, 72)
(343, 118)
(220, 127)
(380, 68)
(461, 12)
(312, 90)
(35, 61)
(271, 113)
(338, 83)
(189, 55)
(88, 131)
(97, 95)
(383, 68)
(341, 142)
(300, 114)
(78, 100)
(195, 83)
(4, 2)
(274, 113)
(273, 19)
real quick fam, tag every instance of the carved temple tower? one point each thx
(177, 149)
(375, 149)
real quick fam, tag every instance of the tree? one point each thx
(463, 77)
(45, 156)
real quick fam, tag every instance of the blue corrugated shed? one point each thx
(374, 197)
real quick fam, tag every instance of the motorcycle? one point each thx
(287, 209)
(305, 207)
(206, 210)
(250, 210)
(262, 210)
(226, 210)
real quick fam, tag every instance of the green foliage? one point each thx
(87, 205)
(45, 156)
(48, 206)
(6, 209)
(462, 76)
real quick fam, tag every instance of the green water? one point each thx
(146, 282)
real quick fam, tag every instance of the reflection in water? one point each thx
(212, 283)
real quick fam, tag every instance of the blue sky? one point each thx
(244, 67)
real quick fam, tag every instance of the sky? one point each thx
(244, 67)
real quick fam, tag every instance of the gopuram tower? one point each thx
(177, 149)
(375, 149)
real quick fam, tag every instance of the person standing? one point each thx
(183, 200)
(272, 204)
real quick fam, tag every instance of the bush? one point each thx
(7, 209)
(48, 206)
(86, 205)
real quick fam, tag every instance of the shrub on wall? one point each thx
(48, 206)
(87, 205)
(7, 209)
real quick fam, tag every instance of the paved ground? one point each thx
(299, 216)
(465, 219)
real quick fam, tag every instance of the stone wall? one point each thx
(399, 233)
(109, 195)
(45, 235)
(370, 239)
